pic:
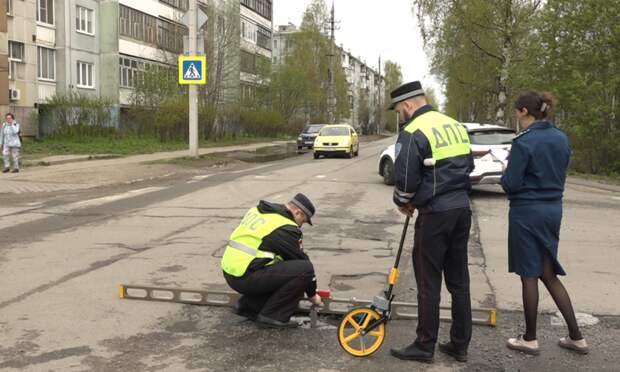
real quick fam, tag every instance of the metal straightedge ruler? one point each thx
(332, 306)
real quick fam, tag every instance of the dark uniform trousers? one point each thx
(273, 291)
(440, 246)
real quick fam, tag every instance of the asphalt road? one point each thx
(62, 258)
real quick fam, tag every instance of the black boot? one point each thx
(412, 352)
(6, 170)
(244, 312)
(16, 170)
(450, 349)
(264, 322)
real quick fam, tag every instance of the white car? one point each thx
(483, 139)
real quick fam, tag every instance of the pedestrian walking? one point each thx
(11, 143)
(433, 163)
(265, 262)
(534, 181)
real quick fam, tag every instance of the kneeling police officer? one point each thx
(265, 262)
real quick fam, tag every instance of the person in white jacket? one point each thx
(11, 143)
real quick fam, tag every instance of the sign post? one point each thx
(193, 70)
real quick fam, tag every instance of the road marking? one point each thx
(321, 176)
(111, 198)
(260, 177)
(616, 197)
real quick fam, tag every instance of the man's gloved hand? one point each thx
(408, 210)
(316, 300)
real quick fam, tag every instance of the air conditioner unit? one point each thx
(14, 94)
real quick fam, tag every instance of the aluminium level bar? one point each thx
(334, 306)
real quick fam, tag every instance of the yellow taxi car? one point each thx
(339, 139)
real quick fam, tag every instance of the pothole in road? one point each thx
(369, 283)
(172, 269)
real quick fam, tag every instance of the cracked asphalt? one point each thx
(63, 255)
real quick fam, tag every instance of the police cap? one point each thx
(404, 92)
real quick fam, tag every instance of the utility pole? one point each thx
(331, 103)
(193, 89)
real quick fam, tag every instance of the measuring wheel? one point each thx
(352, 334)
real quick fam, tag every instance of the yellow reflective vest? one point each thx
(447, 137)
(244, 242)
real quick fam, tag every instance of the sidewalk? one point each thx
(79, 172)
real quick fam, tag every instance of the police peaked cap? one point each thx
(404, 92)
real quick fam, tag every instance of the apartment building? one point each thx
(365, 83)
(100, 48)
(256, 17)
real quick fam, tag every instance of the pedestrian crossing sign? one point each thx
(192, 70)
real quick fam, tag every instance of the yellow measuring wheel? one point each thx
(362, 330)
(354, 335)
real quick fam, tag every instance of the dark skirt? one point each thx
(533, 232)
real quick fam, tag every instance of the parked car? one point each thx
(483, 139)
(308, 135)
(340, 139)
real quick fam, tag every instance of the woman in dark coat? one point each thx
(534, 181)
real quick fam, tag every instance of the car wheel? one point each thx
(388, 172)
(316, 156)
(357, 151)
(299, 148)
(351, 153)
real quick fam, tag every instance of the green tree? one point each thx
(579, 63)
(393, 79)
(477, 47)
(298, 88)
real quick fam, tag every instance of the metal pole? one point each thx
(193, 89)
(331, 109)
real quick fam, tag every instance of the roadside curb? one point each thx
(575, 180)
(68, 159)
(45, 162)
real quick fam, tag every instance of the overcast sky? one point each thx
(372, 28)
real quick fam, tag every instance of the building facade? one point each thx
(256, 24)
(100, 47)
(366, 85)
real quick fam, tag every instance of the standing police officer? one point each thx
(433, 163)
(264, 260)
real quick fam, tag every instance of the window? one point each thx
(143, 27)
(491, 137)
(179, 4)
(9, 7)
(85, 75)
(131, 70)
(170, 36)
(335, 131)
(248, 62)
(263, 38)
(46, 62)
(249, 31)
(84, 20)
(262, 7)
(45, 11)
(16, 51)
(16, 55)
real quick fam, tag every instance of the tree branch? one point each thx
(501, 59)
